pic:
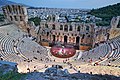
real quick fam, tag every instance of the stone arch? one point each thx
(65, 39)
(47, 33)
(9, 8)
(21, 18)
(53, 18)
(118, 26)
(83, 36)
(53, 26)
(77, 40)
(11, 18)
(15, 18)
(69, 39)
(46, 25)
(87, 28)
(78, 28)
(70, 28)
(54, 38)
(61, 27)
(40, 38)
(61, 37)
(13, 6)
(22, 11)
(66, 28)
(19, 8)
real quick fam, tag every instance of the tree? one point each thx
(106, 13)
(36, 20)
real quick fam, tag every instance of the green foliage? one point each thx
(106, 13)
(12, 76)
(36, 20)
(102, 23)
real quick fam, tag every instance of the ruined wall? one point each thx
(115, 30)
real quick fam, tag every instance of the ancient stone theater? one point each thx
(80, 35)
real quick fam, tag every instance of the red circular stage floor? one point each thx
(63, 51)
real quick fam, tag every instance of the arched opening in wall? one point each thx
(15, 17)
(66, 28)
(78, 28)
(77, 40)
(19, 8)
(22, 10)
(53, 26)
(53, 18)
(21, 19)
(87, 28)
(65, 39)
(82, 39)
(11, 18)
(70, 29)
(53, 37)
(47, 33)
(13, 6)
(61, 38)
(83, 36)
(61, 27)
(88, 36)
(108, 35)
(46, 25)
(40, 38)
(28, 30)
(9, 8)
(57, 38)
(118, 26)
(16, 10)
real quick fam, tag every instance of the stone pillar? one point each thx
(55, 37)
(63, 27)
(80, 40)
(68, 27)
(75, 40)
(51, 37)
(70, 39)
(61, 39)
(67, 39)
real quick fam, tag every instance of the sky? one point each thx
(79, 4)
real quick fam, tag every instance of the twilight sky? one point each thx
(85, 4)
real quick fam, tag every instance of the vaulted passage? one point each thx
(77, 40)
(65, 39)
(118, 26)
(53, 37)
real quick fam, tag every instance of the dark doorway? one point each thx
(83, 36)
(118, 26)
(28, 30)
(77, 40)
(40, 38)
(53, 37)
(65, 39)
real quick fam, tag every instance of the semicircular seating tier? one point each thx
(32, 50)
(16, 46)
(108, 52)
(7, 51)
